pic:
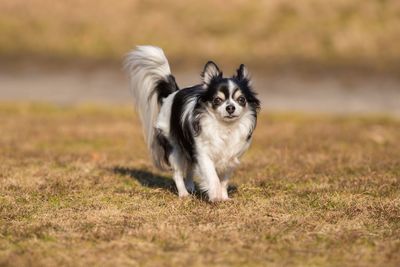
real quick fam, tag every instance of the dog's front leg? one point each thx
(209, 178)
(224, 184)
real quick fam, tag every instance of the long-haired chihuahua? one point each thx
(198, 132)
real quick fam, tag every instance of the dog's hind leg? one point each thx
(189, 179)
(178, 166)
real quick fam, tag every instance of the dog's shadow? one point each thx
(152, 180)
(146, 178)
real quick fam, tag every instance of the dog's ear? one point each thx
(210, 72)
(242, 74)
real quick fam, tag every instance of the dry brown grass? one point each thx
(76, 188)
(268, 33)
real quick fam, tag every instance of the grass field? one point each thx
(77, 188)
(266, 33)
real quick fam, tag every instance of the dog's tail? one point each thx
(150, 82)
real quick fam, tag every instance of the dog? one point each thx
(197, 132)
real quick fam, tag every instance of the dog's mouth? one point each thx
(231, 117)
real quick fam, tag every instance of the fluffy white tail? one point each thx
(147, 66)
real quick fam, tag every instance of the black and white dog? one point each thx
(199, 131)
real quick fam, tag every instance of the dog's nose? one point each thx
(230, 109)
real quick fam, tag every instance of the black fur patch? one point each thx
(184, 131)
(249, 94)
(198, 110)
(164, 88)
(217, 85)
(162, 140)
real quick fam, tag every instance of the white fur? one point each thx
(187, 114)
(164, 117)
(146, 65)
(210, 72)
(220, 146)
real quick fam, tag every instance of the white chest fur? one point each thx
(224, 142)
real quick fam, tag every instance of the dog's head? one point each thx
(228, 98)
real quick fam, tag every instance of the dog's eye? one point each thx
(217, 101)
(241, 100)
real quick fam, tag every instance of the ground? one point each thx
(77, 189)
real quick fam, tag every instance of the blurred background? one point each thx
(339, 56)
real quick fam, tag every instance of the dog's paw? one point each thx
(190, 186)
(183, 194)
(226, 198)
(220, 199)
(215, 199)
(214, 196)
